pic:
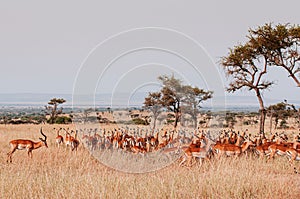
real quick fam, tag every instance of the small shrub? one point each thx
(62, 120)
(139, 121)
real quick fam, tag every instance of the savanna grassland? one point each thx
(59, 173)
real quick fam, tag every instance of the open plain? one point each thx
(60, 173)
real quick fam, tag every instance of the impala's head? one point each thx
(45, 138)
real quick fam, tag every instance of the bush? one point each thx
(62, 120)
(139, 121)
(246, 123)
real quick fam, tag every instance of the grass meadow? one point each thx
(59, 173)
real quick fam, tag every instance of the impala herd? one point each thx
(196, 145)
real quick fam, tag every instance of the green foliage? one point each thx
(62, 120)
(283, 124)
(52, 109)
(247, 64)
(279, 44)
(282, 111)
(178, 98)
(139, 121)
(246, 122)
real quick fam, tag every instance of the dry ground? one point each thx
(57, 173)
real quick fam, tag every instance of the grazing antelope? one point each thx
(288, 148)
(231, 149)
(59, 139)
(68, 137)
(293, 154)
(201, 153)
(197, 152)
(74, 143)
(28, 145)
(69, 140)
(263, 149)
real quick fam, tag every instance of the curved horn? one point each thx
(43, 134)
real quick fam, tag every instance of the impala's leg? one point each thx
(291, 160)
(29, 152)
(9, 155)
(262, 155)
(183, 160)
(220, 153)
(200, 162)
(208, 159)
(190, 158)
(272, 154)
(237, 155)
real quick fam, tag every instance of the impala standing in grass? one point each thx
(28, 145)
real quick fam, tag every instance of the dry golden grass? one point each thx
(57, 173)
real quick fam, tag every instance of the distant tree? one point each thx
(53, 110)
(5, 119)
(280, 45)
(192, 100)
(172, 95)
(280, 111)
(247, 69)
(86, 113)
(153, 102)
(177, 96)
(230, 119)
(109, 110)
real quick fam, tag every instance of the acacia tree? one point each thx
(53, 110)
(178, 97)
(275, 111)
(247, 68)
(172, 95)
(154, 103)
(192, 100)
(280, 45)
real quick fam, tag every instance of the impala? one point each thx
(197, 152)
(74, 142)
(68, 137)
(281, 149)
(263, 149)
(28, 145)
(231, 149)
(59, 139)
(293, 154)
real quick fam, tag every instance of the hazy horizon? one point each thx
(106, 100)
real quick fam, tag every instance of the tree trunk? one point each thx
(262, 121)
(177, 116)
(262, 112)
(195, 122)
(177, 113)
(154, 123)
(271, 117)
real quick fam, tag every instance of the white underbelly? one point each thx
(229, 153)
(21, 147)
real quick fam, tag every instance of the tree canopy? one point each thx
(178, 98)
(267, 46)
(279, 44)
(53, 110)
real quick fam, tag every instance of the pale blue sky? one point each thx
(42, 45)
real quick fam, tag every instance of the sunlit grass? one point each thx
(59, 173)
